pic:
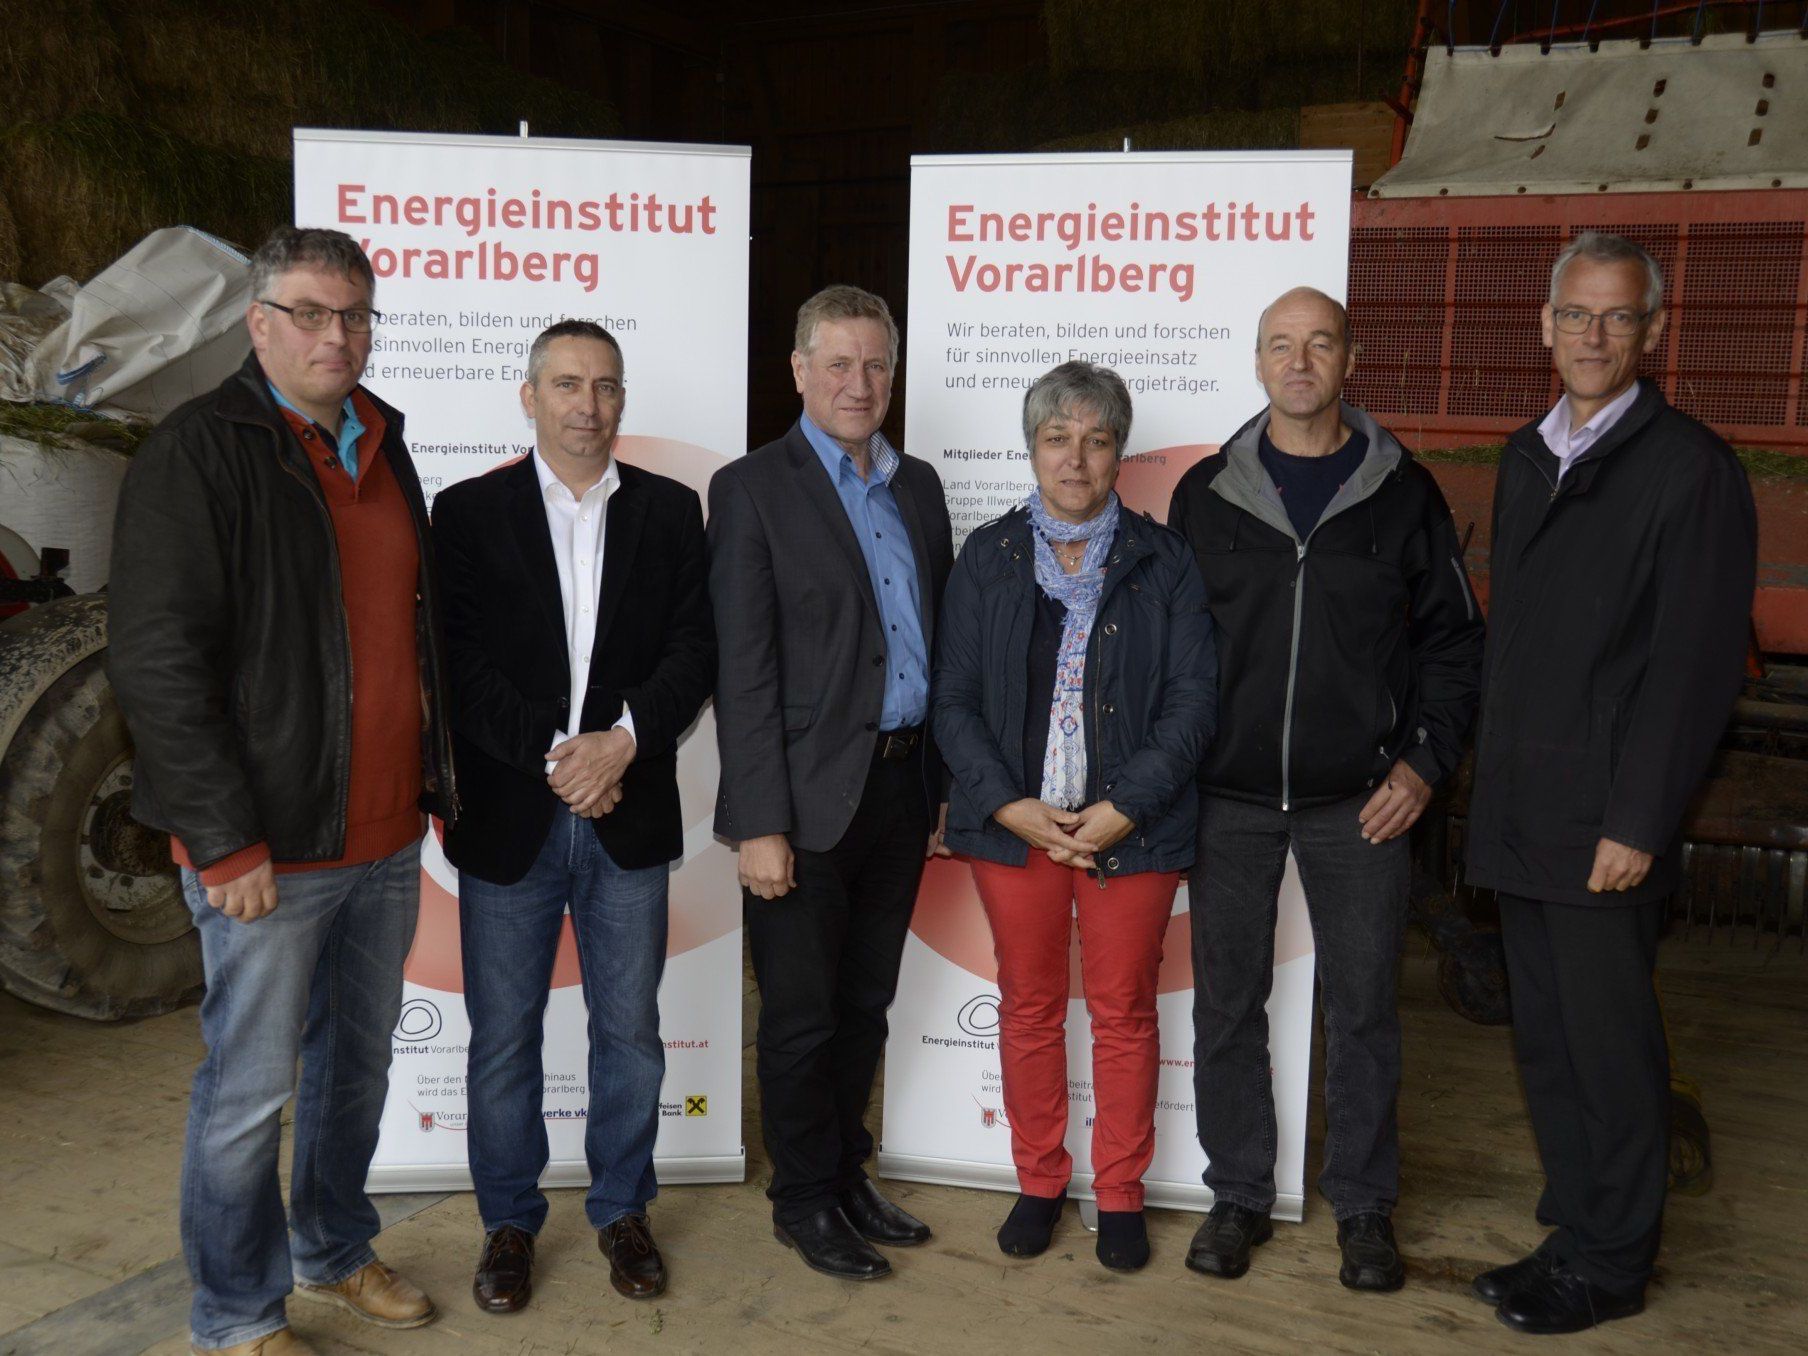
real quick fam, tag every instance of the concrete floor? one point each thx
(91, 1126)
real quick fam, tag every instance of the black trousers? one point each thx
(1356, 900)
(1596, 1068)
(826, 959)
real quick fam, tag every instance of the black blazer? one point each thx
(801, 679)
(511, 679)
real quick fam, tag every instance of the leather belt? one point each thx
(895, 746)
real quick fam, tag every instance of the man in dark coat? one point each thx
(828, 552)
(1624, 555)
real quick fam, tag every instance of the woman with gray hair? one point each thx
(1075, 690)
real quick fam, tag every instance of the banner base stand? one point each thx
(569, 1173)
(1001, 1177)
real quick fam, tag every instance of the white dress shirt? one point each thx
(1555, 430)
(577, 528)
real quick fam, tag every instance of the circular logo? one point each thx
(979, 1015)
(419, 1021)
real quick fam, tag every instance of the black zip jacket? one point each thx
(1341, 653)
(1621, 607)
(1150, 682)
(227, 640)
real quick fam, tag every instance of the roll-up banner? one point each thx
(1157, 265)
(479, 243)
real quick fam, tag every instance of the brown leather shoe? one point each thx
(282, 1342)
(635, 1267)
(504, 1281)
(377, 1295)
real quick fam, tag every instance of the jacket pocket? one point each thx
(1557, 794)
(799, 717)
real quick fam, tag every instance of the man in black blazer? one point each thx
(581, 646)
(828, 553)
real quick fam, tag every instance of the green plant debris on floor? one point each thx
(45, 423)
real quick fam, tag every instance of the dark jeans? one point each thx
(826, 957)
(510, 936)
(1596, 1068)
(319, 979)
(1356, 897)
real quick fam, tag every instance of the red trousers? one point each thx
(1031, 909)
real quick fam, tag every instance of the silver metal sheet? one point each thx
(1571, 120)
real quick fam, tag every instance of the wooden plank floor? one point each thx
(91, 1126)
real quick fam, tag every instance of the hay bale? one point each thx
(1127, 35)
(1016, 110)
(121, 118)
(10, 257)
(61, 59)
(83, 189)
(1269, 129)
(313, 65)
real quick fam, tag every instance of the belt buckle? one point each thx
(896, 747)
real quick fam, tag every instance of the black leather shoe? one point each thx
(879, 1220)
(504, 1280)
(1123, 1240)
(1371, 1258)
(1494, 1286)
(635, 1267)
(1558, 1300)
(1222, 1243)
(830, 1244)
(1030, 1227)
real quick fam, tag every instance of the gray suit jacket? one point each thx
(801, 671)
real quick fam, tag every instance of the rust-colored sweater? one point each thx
(379, 570)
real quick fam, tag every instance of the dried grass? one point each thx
(1143, 65)
(1128, 35)
(88, 186)
(1231, 129)
(125, 115)
(9, 241)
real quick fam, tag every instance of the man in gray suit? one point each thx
(828, 553)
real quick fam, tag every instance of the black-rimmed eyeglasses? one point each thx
(356, 319)
(1618, 323)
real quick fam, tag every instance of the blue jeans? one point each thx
(320, 979)
(1356, 901)
(510, 934)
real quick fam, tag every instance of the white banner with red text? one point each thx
(1157, 265)
(479, 243)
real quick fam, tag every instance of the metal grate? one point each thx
(1728, 893)
(1399, 326)
(1498, 364)
(1727, 889)
(1739, 298)
(1477, 270)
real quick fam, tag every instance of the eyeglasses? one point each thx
(357, 319)
(1575, 320)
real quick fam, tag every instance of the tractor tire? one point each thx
(92, 918)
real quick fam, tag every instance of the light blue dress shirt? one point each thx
(872, 511)
(351, 428)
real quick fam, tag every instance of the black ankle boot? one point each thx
(1027, 1230)
(1123, 1241)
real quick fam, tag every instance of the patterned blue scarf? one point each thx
(1064, 760)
